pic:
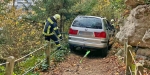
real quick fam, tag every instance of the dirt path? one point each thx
(92, 65)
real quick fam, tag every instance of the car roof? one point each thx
(88, 16)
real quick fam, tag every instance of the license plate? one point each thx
(85, 33)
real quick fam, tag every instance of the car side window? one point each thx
(109, 25)
(105, 24)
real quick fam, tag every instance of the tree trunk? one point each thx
(61, 23)
(13, 3)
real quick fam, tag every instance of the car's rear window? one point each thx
(88, 22)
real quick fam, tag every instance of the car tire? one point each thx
(104, 51)
(72, 48)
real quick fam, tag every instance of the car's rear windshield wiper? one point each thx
(88, 26)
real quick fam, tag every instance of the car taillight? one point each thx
(100, 34)
(72, 31)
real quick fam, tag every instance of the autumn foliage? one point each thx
(18, 36)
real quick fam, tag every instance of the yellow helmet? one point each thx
(112, 20)
(57, 17)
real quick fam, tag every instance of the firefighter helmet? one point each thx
(57, 16)
(112, 20)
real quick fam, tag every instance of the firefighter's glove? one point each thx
(60, 37)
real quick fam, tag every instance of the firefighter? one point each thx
(112, 22)
(50, 30)
(117, 28)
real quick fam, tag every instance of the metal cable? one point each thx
(38, 64)
(31, 53)
(140, 73)
(34, 67)
(25, 55)
(130, 70)
(132, 56)
(4, 63)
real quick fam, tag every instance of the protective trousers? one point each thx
(55, 39)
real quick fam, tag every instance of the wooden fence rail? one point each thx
(133, 67)
(11, 60)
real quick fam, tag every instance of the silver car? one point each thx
(90, 32)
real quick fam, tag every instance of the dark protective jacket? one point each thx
(50, 27)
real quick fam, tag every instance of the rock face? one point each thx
(134, 3)
(137, 27)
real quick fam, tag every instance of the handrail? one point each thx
(31, 53)
(10, 64)
(10, 73)
(25, 55)
(132, 68)
(132, 56)
(34, 67)
(38, 64)
(140, 72)
(4, 63)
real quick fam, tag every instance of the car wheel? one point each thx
(104, 51)
(72, 48)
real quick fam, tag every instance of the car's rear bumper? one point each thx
(88, 44)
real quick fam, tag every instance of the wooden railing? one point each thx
(133, 67)
(11, 60)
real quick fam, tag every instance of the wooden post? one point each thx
(10, 65)
(125, 49)
(13, 3)
(47, 52)
(139, 70)
(128, 60)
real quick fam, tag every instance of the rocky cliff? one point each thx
(137, 27)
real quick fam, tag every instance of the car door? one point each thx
(111, 28)
(107, 28)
